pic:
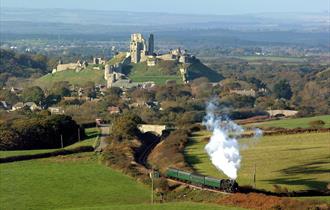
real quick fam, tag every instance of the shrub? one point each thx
(316, 123)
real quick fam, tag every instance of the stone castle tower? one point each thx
(151, 45)
(139, 49)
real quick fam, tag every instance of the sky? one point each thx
(218, 7)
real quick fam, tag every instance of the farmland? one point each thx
(293, 123)
(75, 182)
(298, 161)
(88, 141)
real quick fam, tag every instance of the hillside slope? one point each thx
(169, 70)
(75, 78)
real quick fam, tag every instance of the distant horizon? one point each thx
(205, 7)
(176, 13)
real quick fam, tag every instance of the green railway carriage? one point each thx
(226, 185)
(197, 179)
(184, 175)
(172, 172)
(213, 182)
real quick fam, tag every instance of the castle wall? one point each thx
(69, 66)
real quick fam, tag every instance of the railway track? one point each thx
(197, 187)
(142, 159)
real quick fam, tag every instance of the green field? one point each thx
(88, 141)
(140, 72)
(76, 182)
(298, 161)
(272, 58)
(66, 182)
(76, 78)
(293, 123)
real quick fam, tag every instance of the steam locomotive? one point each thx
(225, 185)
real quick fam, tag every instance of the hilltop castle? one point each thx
(140, 50)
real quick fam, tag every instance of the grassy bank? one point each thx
(299, 161)
(293, 123)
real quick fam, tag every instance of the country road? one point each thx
(105, 132)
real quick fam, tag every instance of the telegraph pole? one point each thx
(62, 141)
(152, 185)
(254, 175)
(79, 134)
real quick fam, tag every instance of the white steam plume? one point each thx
(223, 148)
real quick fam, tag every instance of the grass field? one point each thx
(65, 182)
(76, 182)
(71, 76)
(91, 133)
(299, 161)
(293, 123)
(140, 72)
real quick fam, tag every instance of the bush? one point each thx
(316, 123)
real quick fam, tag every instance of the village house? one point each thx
(114, 110)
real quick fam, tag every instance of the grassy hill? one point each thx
(78, 78)
(169, 70)
(140, 72)
(75, 78)
(198, 69)
(298, 161)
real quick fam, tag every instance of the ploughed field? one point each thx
(297, 161)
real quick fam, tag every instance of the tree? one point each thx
(116, 91)
(61, 89)
(33, 94)
(9, 97)
(282, 89)
(126, 126)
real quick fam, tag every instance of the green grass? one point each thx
(292, 123)
(76, 182)
(272, 58)
(66, 182)
(140, 72)
(299, 161)
(167, 206)
(117, 59)
(4, 154)
(88, 141)
(76, 78)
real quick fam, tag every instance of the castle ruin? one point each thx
(140, 49)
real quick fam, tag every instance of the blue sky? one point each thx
(180, 6)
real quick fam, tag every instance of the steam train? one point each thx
(225, 185)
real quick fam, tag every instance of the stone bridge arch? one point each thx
(283, 112)
(155, 129)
